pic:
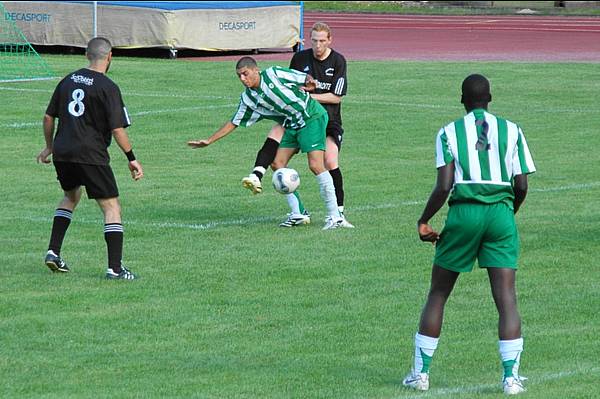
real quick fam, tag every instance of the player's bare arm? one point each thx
(327, 98)
(219, 134)
(437, 199)
(520, 187)
(120, 135)
(48, 125)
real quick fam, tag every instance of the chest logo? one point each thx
(306, 68)
(329, 72)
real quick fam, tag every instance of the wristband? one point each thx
(130, 156)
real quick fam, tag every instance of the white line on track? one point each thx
(267, 219)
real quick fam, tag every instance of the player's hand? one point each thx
(136, 170)
(198, 143)
(426, 233)
(310, 84)
(43, 155)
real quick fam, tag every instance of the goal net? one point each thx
(18, 59)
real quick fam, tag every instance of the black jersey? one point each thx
(331, 78)
(88, 106)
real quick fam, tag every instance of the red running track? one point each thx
(454, 38)
(487, 38)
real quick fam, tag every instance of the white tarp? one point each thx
(175, 25)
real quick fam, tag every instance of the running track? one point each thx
(455, 38)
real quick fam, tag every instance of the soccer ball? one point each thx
(286, 180)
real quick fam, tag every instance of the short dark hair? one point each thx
(246, 62)
(98, 49)
(476, 90)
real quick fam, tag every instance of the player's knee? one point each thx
(317, 167)
(72, 198)
(278, 164)
(331, 163)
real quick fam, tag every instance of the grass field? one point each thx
(231, 306)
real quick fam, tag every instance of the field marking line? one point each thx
(535, 380)
(21, 125)
(249, 221)
(126, 93)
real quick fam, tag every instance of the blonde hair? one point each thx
(321, 27)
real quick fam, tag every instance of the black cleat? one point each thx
(55, 263)
(123, 275)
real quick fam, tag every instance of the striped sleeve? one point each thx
(289, 75)
(522, 161)
(339, 79)
(443, 154)
(245, 116)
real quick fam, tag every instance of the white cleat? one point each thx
(295, 220)
(252, 182)
(333, 223)
(345, 223)
(418, 381)
(513, 385)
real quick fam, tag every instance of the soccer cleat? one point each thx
(418, 381)
(55, 263)
(513, 385)
(125, 274)
(333, 223)
(345, 223)
(252, 182)
(295, 220)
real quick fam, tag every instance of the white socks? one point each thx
(424, 348)
(327, 191)
(510, 353)
(293, 203)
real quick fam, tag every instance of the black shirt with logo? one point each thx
(331, 78)
(88, 106)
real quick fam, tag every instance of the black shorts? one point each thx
(99, 180)
(337, 134)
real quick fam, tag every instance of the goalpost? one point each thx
(18, 59)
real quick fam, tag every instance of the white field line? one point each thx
(25, 125)
(262, 219)
(127, 93)
(535, 380)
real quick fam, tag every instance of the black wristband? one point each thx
(130, 156)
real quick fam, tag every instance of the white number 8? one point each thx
(76, 107)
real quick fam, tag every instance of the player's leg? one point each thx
(264, 158)
(61, 222)
(510, 344)
(430, 326)
(333, 146)
(68, 176)
(102, 186)
(298, 215)
(455, 253)
(501, 248)
(311, 140)
(316, 163)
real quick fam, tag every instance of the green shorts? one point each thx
(486, 232)
(310, 138)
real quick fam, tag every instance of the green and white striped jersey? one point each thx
(488, 152)
(278, 98)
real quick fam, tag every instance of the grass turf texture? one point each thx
(229, 305)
